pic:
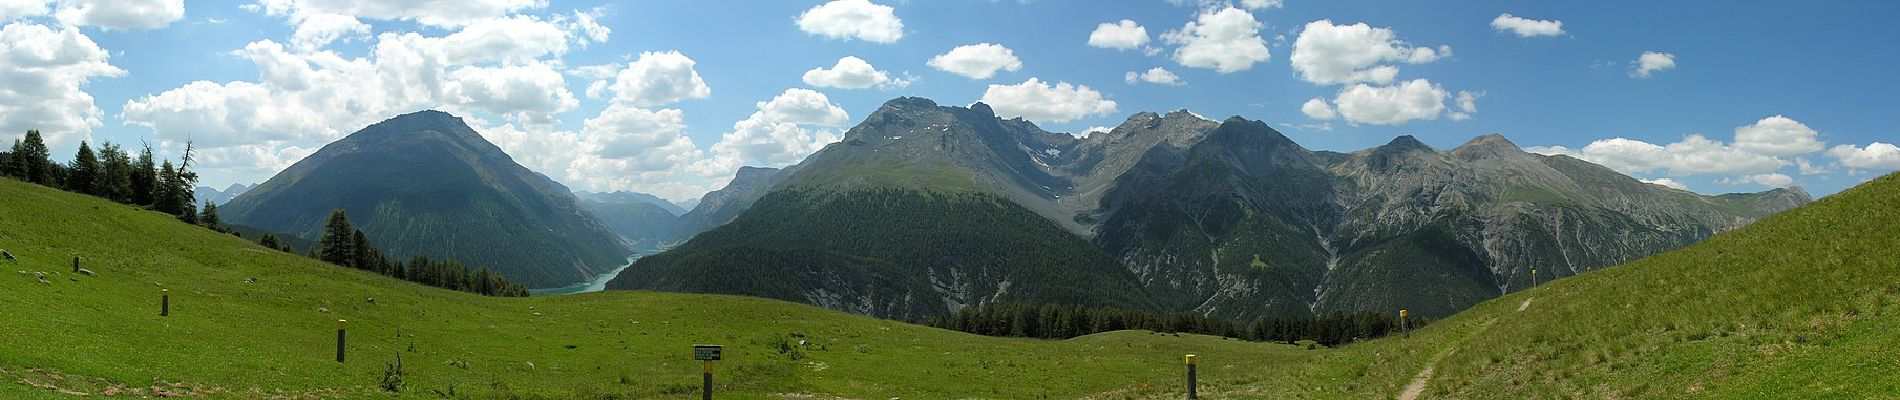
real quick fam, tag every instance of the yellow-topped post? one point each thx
(340, 324)
(1193, 391)
(1404, 326)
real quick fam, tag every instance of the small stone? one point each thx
(325, 310)
(87, 272)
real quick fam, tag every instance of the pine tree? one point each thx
(83, 172)
(162, 193)
(144, 179)
(209, 217)
(115, 173)
(34, 161)
(8, 165)
(362, 256)
(337, 240)
(270, 240)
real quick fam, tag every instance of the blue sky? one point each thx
(669, 96)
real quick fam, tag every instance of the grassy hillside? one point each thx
(249, 322)
(1801, 305)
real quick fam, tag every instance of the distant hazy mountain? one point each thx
(219, 197)
(626, 197)
(426, 184)
(919, 211)
(721, 206)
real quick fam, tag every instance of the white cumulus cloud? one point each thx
(853, 19)
(782, 132)
(436, 13)
(851, 73)
(1328, 54)
(1650, 62)
(1038, 101)
(1225, 40)
(42, 72)
(1525, 27)
(657, 78)
(1316, 108)
(1777, 136)
(1124, 35)
(1391, 105)
(977, 61)
(1876, 155)
(1671, 183)
(1156, 75)
(121, 14)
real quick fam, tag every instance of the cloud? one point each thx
(1773, 180)
(1124, 35)
(782, 132)
(15, 9)
(314, 31)
(42, 70)
(1156, 75)
(657, 78)
(1671, 183)
(1037, 101)
(977, 61)
(1391, 105)
(1226, 40)
(1808, 168)
(1329, 54)
(645, 139)
(1876, 155)
(1525, 27)
(851, 73)
(1693, 155)
(494, 67)
(1467, 105)
(531, 92)
(853, 19)
(121, 14)
(1316, 108)
(1262, 4)
(1650, 62)
(1777, 136)
(435, 13)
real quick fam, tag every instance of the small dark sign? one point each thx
(706, 352)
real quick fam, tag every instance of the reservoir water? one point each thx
(597, 284)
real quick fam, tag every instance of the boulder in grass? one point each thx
(87, 272)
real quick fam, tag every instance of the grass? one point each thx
(252, 322)
(1801, 305)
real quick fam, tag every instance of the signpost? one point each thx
(164, 302)
(706, 353)
(1193, 391)
(1533, 277)
(1403, 326)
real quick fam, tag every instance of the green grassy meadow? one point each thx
(1805, 304)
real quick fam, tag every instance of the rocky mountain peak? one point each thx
(983, 109)
(1487, 146)
(1404, 143)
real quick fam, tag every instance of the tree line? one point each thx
(1049, 321)
(343, 245)
(115, 174)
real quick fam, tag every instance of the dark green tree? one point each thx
(115, 173)
(7, 165)
(33, 160)
(164, 190)
(209, 217)
(144, 180)
(362, 256)
(270, 240)
(84, 171)
(335, 246)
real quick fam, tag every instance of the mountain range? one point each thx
(923, 209)
(219, 197)
(425, 184)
